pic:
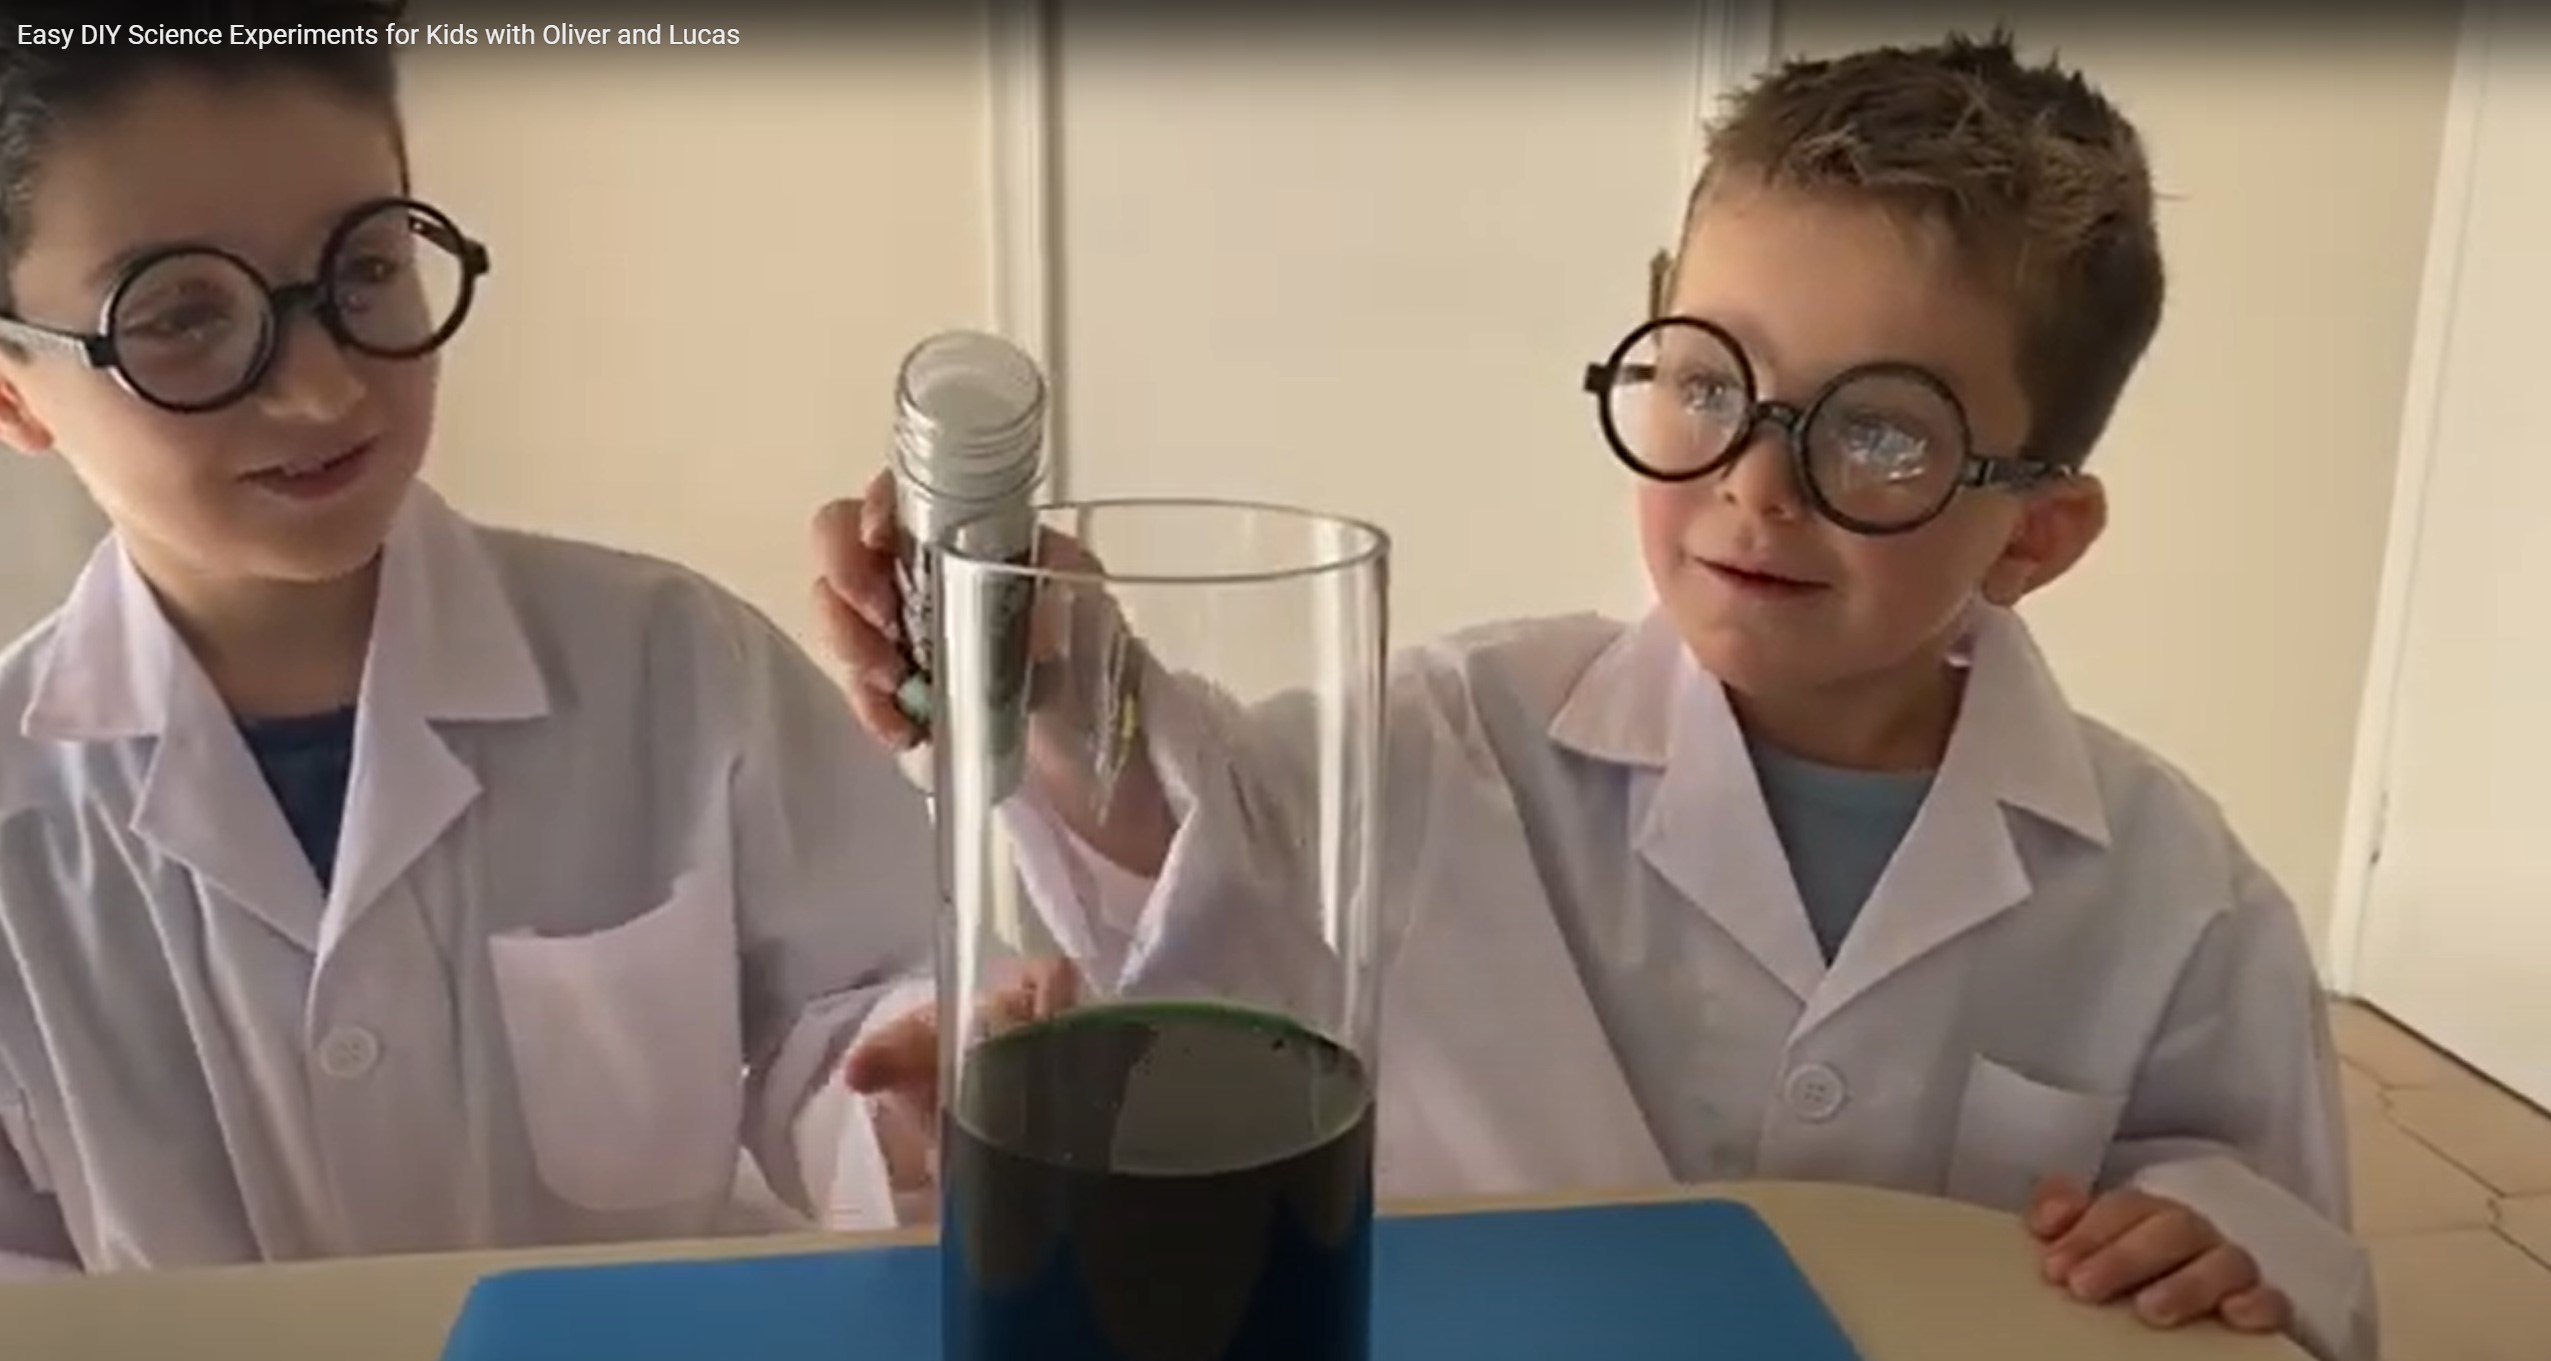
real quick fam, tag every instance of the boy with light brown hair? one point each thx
(1813, 873)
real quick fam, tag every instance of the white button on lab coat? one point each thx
(610, 842)
(348, 1052)
(1816, 1092)
(1600, 973)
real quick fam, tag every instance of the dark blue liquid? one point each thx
(1167, 1182)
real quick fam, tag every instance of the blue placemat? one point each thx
(1667, 1282)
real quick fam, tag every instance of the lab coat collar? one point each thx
(447, 645)
(447, 640)
(116, 668)
(2015, 728)
(1644, 703)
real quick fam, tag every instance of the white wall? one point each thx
(2227, 616)
(706, 266)
(48, 526)
(1361, 268)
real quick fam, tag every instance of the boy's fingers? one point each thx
(906, 1137)
(885, 719)
(856, 643)
(876, 522)
(866, 582)
(902, 1057)
(2198, 1288)
(2055, 1204)
(1006, 1009)
(835, 620)
(1056, 618)
(2259, 1309)
(1062, 552)
(2101, 1223)
(1043, 989)
(874, 660)
(855, 543)
(876, 670)
(903, 1054)
(1062, 605)
(2162, 1242)
(1055, 987)
(838, 545)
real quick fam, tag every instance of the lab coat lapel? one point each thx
(2017, 749)
(447, 646)
(116, 671)
(1704, 827)
(1706, 830)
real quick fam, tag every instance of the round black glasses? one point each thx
(1881, 449)
(192, 328)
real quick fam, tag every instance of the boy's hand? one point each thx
(897, 1068)
(860, 607)
(1082, 739)
(2174, 1263)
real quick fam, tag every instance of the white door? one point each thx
(2456, 928)
(1361, 264)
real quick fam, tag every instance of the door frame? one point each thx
(2361, 835)
(1734, 39)
(1025, 240)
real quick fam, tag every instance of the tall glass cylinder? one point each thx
(1158, 817)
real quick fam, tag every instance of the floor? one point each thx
(2453, 1193)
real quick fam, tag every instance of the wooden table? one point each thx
(1911, 1279)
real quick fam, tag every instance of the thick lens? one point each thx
(396, 279)
(189, 328)
(1884, 449)
(1679, 399)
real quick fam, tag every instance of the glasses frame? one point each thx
(97, 348)
(1976, 472)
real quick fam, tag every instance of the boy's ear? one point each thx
(2057, 525)
(19, 428)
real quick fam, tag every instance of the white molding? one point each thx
(1022, 230)
(1737, 40)
(1731, 41)
(2421, 402)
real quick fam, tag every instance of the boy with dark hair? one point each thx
(371, 881)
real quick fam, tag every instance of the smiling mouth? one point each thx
(301, 470)
(311, 481)
(1758, 580)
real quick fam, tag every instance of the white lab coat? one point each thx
(2070, 966)
(619, 879)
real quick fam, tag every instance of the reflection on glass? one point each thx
(1158, 1127)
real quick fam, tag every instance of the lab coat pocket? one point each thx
(2013, 1129)
(628, 1050)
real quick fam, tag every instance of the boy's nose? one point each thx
(313, 379)
(1762, 479)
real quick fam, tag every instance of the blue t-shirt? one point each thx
(1839, 828)
(308, 763)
